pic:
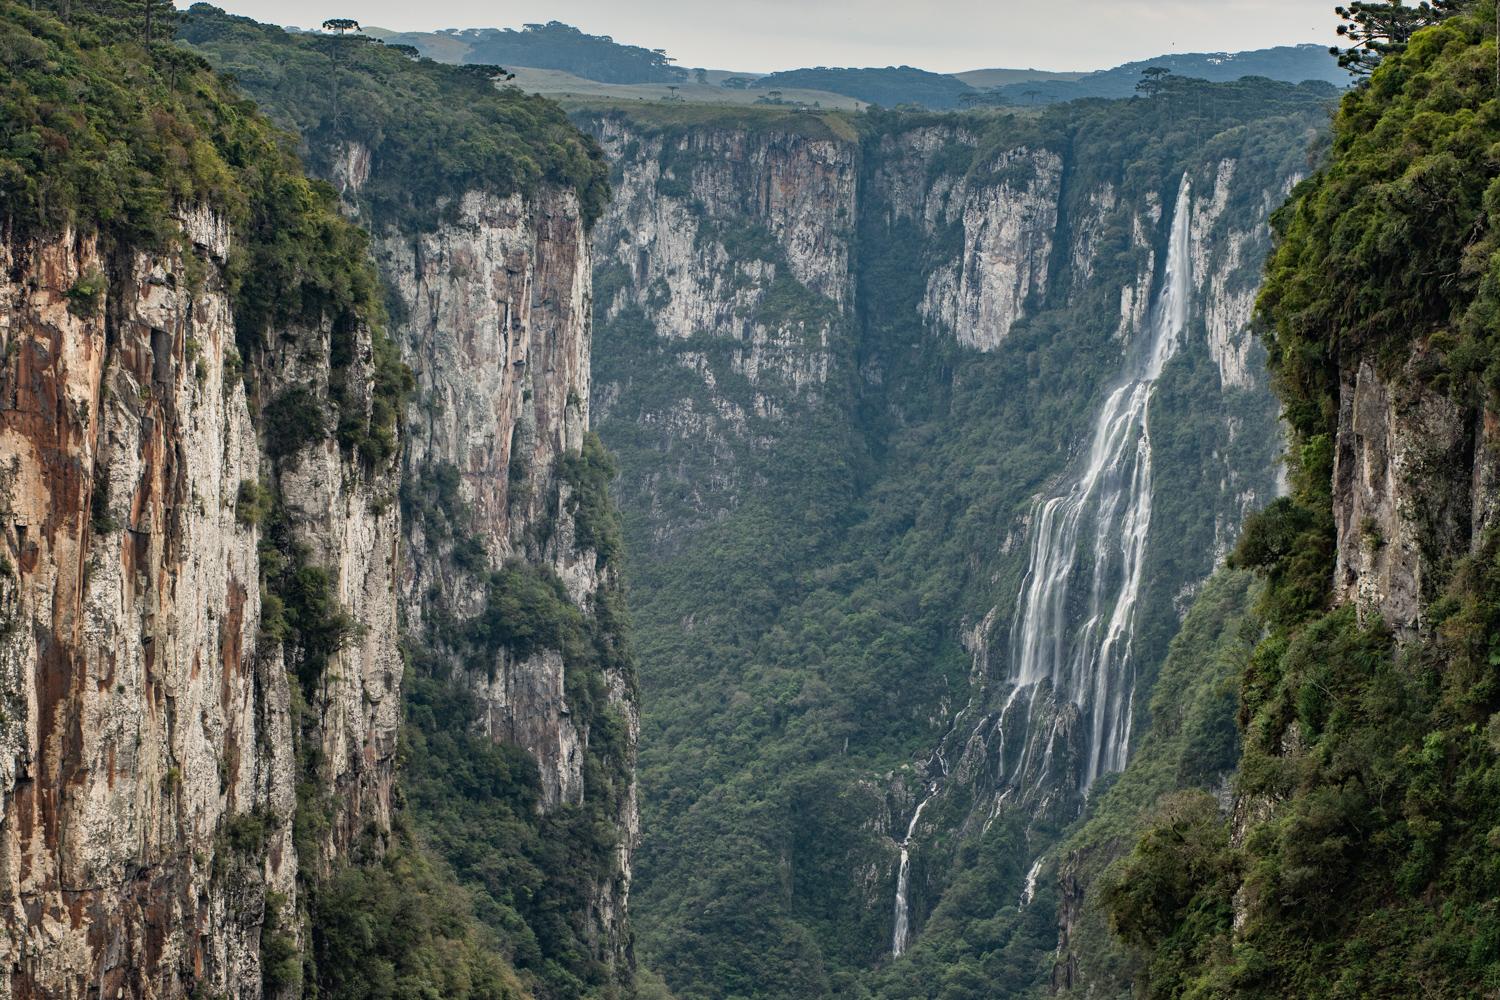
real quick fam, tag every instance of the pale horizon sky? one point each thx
(946, 36)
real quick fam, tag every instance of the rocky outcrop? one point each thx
(342, 516)
(138, 716)
(734, 244)
(1414, 491)
(1008, 220)
(993, 227)
(496, 324)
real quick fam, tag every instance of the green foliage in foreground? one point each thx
(1368, 867)
(389, 923)
(432, 131)
(476, 802)
(97, 132)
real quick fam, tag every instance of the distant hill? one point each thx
(1290, 63)
(888, 87)
(986, 78)
(564, 49)
(553, 45)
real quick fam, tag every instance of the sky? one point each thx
(945, 36)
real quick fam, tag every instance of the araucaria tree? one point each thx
(1375, 30)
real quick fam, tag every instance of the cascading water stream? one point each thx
(1107, 505)
(902, 933)
(1093, 536)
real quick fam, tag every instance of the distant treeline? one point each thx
(553, 45)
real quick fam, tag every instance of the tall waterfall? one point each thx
(902, 934)
(1075, 617)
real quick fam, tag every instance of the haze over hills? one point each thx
(1291, 63)
(589, 60)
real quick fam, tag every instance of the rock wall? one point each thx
(496, 324)
(148, 772)
(1414, 491)
(1009, 216)
(733, 245)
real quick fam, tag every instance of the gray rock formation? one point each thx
(497, 308)
(148, 773)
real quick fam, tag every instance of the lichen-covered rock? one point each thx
(146, 770)
(1412, 492)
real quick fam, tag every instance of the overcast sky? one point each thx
(944, 35)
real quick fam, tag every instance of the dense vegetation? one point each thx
(102, 133)
(1183, 761)
(478, 802)
(432, 131)
(1371, 769)
(799, 601)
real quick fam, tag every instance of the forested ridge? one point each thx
(1360, 858)
(432, 131)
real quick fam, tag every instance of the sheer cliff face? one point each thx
(149, 773)
(497, 332)
(496, 325)
(145, 719)
(1005, 219)
(1416, 487)
(735, 247)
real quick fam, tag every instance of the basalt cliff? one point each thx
(297, 520)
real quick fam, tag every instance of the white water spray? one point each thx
(1029, 893)
(1092, 537)
(1086, 659)
(901, 936)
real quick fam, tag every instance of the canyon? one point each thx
(844, 370)
(715, 552)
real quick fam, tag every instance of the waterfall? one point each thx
(902, 934)
(1029, 893)
(1075, 616)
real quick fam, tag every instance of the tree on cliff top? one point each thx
(1376, 30)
